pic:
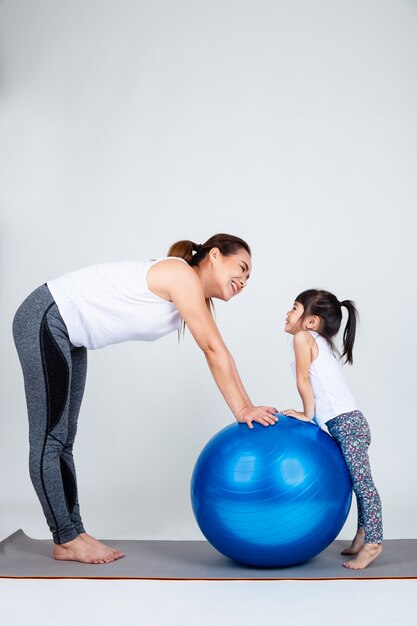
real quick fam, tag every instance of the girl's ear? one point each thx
(313, 322)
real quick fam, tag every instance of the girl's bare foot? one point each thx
(80, 550)
(98, 544)
(365, 557)
(357, 543)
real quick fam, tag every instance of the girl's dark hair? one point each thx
(328, 308)
(194, 253)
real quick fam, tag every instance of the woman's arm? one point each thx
(303, 358)
(179, 283)
(236, 373)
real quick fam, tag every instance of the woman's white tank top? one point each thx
(332, 395)
(111, 303)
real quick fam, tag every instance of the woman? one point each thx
(105, 304)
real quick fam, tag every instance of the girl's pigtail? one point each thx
(350, 330)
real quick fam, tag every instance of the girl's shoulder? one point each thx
(305, 341)
(303, 337)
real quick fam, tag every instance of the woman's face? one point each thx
(229, 274)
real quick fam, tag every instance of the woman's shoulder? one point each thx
(170, 261)
(167, 276)
(170, 266)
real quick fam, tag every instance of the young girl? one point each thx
(314, 321)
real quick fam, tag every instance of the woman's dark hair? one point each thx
(328, 308)
(194, 253)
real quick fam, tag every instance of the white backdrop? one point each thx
(126, 125)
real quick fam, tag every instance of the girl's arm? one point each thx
(303, 358)
(180, 284)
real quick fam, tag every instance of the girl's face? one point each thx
(293, 321)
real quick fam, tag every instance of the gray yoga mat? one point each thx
(23, 557)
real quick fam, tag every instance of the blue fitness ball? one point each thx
(271, 496)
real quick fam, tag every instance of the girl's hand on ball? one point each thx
(264, 415)
(297, 414)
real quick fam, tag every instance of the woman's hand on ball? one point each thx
(264, 415)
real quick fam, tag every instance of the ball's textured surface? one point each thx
(272, 496)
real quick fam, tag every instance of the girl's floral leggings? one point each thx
(352, 433)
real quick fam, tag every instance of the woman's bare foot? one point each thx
(80, 550)
(98, 544)
(357, 543)
(365, 557)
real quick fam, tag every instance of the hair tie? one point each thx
(198, 247)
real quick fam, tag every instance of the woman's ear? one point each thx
(214, 253)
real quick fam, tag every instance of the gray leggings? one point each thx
(54, 373)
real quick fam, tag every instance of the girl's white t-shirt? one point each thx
(332, 395)
(111, 303)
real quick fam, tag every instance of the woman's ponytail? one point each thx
(350, 330)
(194, 253)
(184, 249)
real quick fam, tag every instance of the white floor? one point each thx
(148, 603)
